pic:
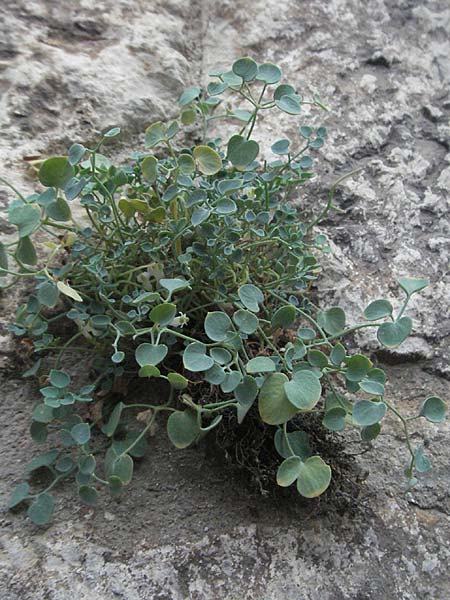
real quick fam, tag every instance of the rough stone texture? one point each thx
(70, 70)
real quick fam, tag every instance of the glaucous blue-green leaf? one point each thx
(283, 90)
(215, 375)
(64, 464)
(199, 214)
(118, 357)
(122, 467)
(421, 461)
(111, 133)
(288, 471)
(217, 87)
(208, 161)
(337, 355)
(189, 95)
(149, 168)
(110, 427)
(81, 433)
(411, 285)
(226, 206)
(59, 210)
(241, 152)
(242, 115)
(195, 358)
(186, 164)
(56, 172)
(250, 296)
(334, 419)
(433, 409)
(317, 358)
(246, 68)
(41, 510)
(314, 477)
(332, 320)
(304, 390)
(183, 428)
(378, 309)
(88, 495)
(393, 334)
(48, 294)
(246, 321)
(150, 354)
(306, 333)
(305, 131)
(38, 432)
(281, 147)
(357, 367)
(289, 104)
(19, 494)
(163, 314)
(375, 388)
(42, 460)
(245, 393)
(284, 317)
(87, 464)
(220, 355)
(260, 364)
(231, 381)
(269, 73)
(370, 432)
(76, 153)
(274, 406)
(73, 188)
(155, 134)
(367, 412)
(174, 285)
(59, 379)
(27, 219)
(298, 442)
(227, 186)
(218, 326)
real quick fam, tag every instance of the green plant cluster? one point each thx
(191, 266)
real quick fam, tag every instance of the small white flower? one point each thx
(179, 321)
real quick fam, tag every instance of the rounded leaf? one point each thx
(149, 168)
(332, 320)
(183, 428)
(378, 309)
(274, 406)
(411, 285)
(41, 511)
(298, 441)
(59, 379)
(250, 296)
(260, 364)
(218, 326)
(334, 419)
(367, 412)
(81, 433)
(207, 160)
(88, 495)
(19, 493)
(246, 321)
(195, 358)
(288, 471)
(314, 477)
(433, 409)
(269, 73)
(48, 294)
(304, 390)
(245, 68)
(289, 104)
(392, 335)
(163, 314)
(150, 354)
(284, 317)
(56, 172)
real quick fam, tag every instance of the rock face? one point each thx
(69, 71)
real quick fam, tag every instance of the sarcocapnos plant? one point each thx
(191, 266)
